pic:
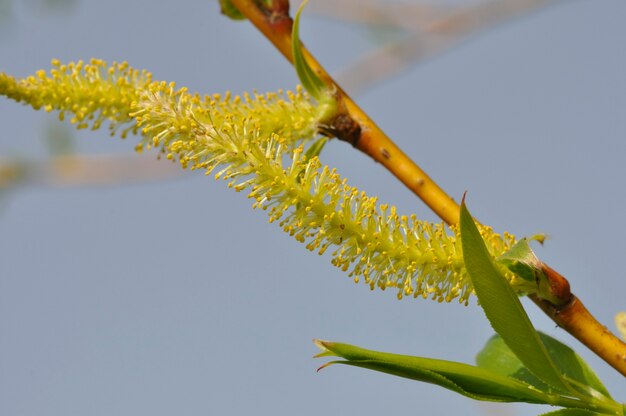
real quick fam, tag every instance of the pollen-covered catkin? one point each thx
(311, 202)
(256, 143)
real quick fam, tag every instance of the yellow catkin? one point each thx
(256, 143)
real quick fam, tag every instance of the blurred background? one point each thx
(128, 287)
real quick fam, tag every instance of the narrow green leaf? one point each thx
(470, 381)
(309, 79)
(314, 150)
(420, 374)
(497, 356)
(503, 308)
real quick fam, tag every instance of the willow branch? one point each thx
(355, 126)
(429, 17)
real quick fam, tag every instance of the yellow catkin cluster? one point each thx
(256, 143)
(96, 92)
(312, 202)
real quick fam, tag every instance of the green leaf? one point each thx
(474, 382)
(573, 367)
(314, 150)
(503, 308)
(497, 356)
(229, 10)
(309, 79)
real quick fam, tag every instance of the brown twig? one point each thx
(566, 310)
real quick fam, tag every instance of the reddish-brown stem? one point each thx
(354, 125)
(559, 286)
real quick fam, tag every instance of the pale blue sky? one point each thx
(176, 298)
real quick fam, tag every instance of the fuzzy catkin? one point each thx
(256, 143)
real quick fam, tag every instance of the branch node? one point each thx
(559, 286)
(346, 129)
(277, 14)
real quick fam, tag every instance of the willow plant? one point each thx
(268, 146)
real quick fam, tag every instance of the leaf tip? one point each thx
(324, 348)
(324, 366)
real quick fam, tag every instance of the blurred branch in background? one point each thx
(377, 13)
(426, 29)
(65, 168)
(84, 170)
